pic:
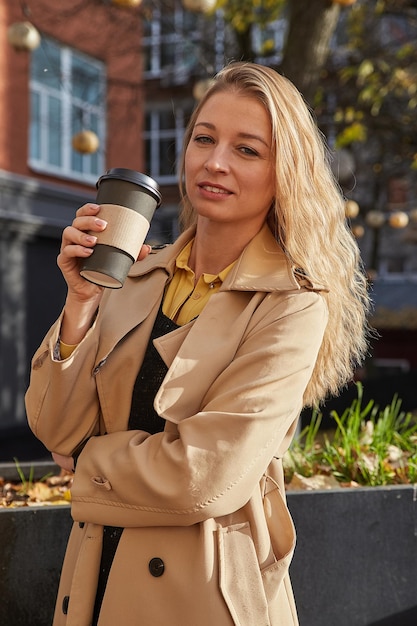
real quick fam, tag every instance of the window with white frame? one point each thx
(163, 135)
(171, 44)
(67, 91)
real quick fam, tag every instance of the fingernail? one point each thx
(91, 239)
(101, 223)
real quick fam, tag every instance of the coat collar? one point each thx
(262, 266)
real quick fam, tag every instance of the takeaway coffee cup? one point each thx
(128, 200)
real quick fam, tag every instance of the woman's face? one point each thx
(229, 163)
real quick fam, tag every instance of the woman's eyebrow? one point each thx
(243, 135)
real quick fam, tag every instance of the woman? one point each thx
(179, 394)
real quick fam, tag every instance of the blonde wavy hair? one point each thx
(307, 219)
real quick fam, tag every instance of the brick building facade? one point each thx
(86, 73)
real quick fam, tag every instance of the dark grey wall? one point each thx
(32, 290)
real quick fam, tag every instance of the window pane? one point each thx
(190, 22)
(167, 157)
(77, 121)
(166, 120)
(77, 161)
(167, 54)
(188, 53)
(167, 24)
(150, 23)
(94, 159)
(148, 163)
(147, 61)
(35, 132)
(76, 126)
(55, 134)
(85, 81)
(46, 65)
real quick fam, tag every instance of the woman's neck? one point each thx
(215, 248)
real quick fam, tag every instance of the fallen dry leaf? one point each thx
(312, 483)
(52, 491)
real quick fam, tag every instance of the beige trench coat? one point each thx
(205, 498)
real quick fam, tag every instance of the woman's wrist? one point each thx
(77, 320)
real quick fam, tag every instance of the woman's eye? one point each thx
(248, 151)
(203, 139)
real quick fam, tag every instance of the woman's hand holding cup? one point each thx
(83, 297)
(78, 241)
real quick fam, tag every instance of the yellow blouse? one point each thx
(183, 301)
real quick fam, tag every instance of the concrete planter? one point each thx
(355, 563)
(32, 547)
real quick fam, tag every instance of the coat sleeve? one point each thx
(64, 404)
(209, 463)
(54, 384)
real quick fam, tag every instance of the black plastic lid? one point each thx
(132, 176)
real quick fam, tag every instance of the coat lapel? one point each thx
(197, 353)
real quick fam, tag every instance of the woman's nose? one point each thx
(217, 161)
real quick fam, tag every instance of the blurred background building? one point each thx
(87, 85)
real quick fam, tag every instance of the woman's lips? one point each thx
(214, 189)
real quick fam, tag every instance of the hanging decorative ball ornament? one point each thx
(375, 219)
(351, 209)
(127, 3)
(85, 142)
(201, 87)
(202, 6)
(399, 219)
(23, 36)
(358, 231)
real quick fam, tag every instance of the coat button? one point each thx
(156, 567)
(65, 603)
